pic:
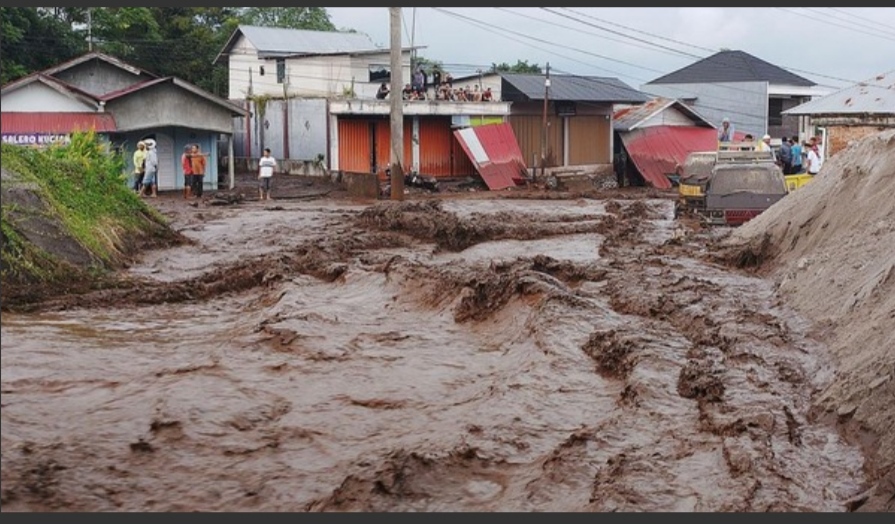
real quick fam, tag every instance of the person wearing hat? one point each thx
(150, 176)
(139, 166)
(725, 132)
(764, 144)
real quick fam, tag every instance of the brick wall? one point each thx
(840, 136)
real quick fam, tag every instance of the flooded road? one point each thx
(456, 355)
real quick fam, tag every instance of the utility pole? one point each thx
(545, 124)
(397, 106)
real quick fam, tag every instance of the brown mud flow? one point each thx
(464, 354)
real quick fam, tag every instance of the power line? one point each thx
(835, 24)
(849, 13)
(791, 69)
(860, 27)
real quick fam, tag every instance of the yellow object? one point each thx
(794, 182)
(688, 190)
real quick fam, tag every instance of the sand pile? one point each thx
(831, 248)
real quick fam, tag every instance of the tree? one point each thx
(428, 65)
(315, 18)
(34, 39)
(521, 66)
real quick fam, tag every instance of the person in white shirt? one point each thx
(266, 166)
(814, 160)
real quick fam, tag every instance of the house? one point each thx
(124, 104)
(578, 113)
(749, 91)
(285, 78)
(654, 138)
(851, 113)
(282, 63)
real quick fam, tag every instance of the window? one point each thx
(775, 110)
(380, 73)
(281, 70)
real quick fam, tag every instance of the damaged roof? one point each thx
(873, 96)
(629, 118)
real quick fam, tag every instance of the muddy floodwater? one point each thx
(443, 355)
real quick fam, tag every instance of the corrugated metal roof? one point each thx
(495, 153)
(56, 123)
(569, 88)
(628, 118)
(283, 41)
(657, 151)
(876, 95)
(732, 66)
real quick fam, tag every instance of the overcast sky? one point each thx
(834, 47)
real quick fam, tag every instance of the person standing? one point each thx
(187, 164)
(785, 156)
(725, 132)
(198, 164)
(150, 176)
(139, 166)
(796, 153)
(814, 160)
(266, 166)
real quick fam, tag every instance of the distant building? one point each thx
(124, 104)
(749, 91)
(851, 113)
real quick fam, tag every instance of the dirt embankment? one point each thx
(47, 260)
(830, 246)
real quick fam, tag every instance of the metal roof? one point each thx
(732, 66)
(569, 88)
(56, 123)
(658, 151)
(279, 41)
(495, 152)
(876, 95)
(629, 118)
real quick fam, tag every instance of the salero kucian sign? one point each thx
(36, 139)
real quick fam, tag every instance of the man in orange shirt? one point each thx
(199, 162)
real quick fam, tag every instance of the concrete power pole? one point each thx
(397, 106)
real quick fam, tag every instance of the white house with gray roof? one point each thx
(749, 91)
(282, 63)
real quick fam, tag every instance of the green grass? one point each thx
(84, 184)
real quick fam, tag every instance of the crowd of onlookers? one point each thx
(793, 157)
(440, 87)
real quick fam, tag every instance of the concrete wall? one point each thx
(304, 138)
(39, 98)
(98, 77)
(744, 103)
(167, 105)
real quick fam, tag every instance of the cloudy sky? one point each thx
(834, 47)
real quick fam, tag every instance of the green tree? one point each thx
(315, 18)
(32, 39)
(427, 64)
(521, 66)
